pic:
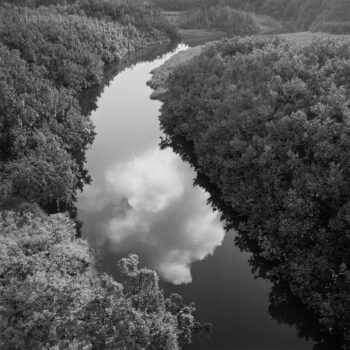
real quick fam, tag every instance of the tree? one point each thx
(268, 124)
(53, 297)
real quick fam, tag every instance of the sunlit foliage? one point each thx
(52, 297)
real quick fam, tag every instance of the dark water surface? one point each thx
(142, 200)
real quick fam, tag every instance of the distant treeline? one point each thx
(268, 124)
(48, 55)
(318, 15)
(234, 22)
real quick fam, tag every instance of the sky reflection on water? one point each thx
(142, 198)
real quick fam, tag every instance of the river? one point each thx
(142, 200)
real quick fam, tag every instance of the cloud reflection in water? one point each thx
(154, 210)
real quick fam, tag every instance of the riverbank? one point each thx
(51, 293)
(50, 55)
(134, 179)
(273, 142)
(160, 75)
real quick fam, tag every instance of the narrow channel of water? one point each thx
(142, 200)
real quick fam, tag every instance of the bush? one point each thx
(43, 135)
(48, 55)
(270, 127)
(332, 27)
(234, 22)
(52, 297)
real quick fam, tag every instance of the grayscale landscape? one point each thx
(175, 174)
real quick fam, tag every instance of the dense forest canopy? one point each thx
(52, 296)
(233, 22)
(318, 15)
(48, 56)
(51, 293)
(269, 125)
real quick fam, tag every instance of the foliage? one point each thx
(71, 48)
(328, 15)
(302, 14)
(182, 5)
(269, 124)
(234, 22)
(43, 135)
(47, 57)
(138, 13)
(52, 297)
(37, 3)
(332, 27)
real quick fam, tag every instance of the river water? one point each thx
(142, 200)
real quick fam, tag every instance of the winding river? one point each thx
(142, 200)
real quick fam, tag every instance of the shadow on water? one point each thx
(283, 306)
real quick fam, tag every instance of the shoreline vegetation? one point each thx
(160, 75)
(59, 51)
(294, 15)
(266, 122)
(51, 293)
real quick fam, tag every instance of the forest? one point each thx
(49, 55)
(233, 22)
(268, 124)
(316, 15)
(52, 296)
(51, 293)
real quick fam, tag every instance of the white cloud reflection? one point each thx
(167, 221)
(150, 181)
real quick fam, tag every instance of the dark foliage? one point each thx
(48, 55)
(269, 125)
(324, 15)
(234, 22)
(52, 297)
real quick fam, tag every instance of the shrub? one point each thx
(234, 22)
(270, 127)
(51, 295)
